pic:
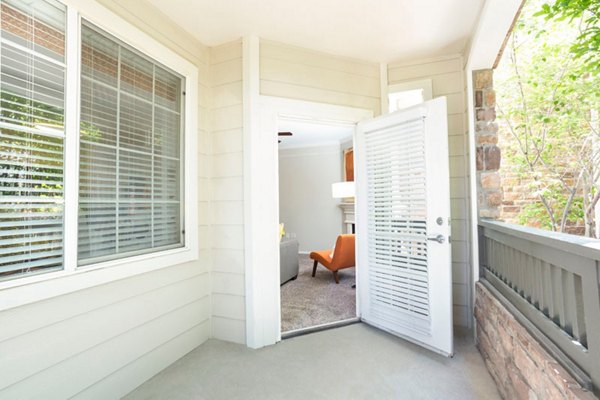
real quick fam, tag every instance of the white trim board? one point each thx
(250, 95)
(495, 21)
(424, 84)
(261, 197)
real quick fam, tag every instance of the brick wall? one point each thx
(98, 58)
(519, 191)
(521, 368)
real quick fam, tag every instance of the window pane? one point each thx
(32, 80)
(405, 99)
(130, 163)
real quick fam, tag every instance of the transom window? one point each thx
(408, 94)
(129, 145)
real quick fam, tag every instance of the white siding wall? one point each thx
(104, 341)
(447, 78)
(226, 182)
(286, 71)
(293, 72)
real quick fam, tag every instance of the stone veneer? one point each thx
(521, 368)
(488, 156)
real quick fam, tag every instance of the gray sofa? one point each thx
(288, 260)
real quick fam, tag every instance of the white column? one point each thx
(383, 82)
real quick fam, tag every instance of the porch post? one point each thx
(488, 156)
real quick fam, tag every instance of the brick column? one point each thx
(489, 191)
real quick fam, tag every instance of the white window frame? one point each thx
(424, 84)
(28, 289)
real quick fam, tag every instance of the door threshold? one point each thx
(319, 328)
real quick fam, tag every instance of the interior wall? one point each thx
(305, 203)
(447, 76)
(297, 73)
(227, 193)
(104, 341)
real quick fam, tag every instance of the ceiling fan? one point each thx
(284, 134)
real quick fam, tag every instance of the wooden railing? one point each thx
(553, 280)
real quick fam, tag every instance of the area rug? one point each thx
(309, 301)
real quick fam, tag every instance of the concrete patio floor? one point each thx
(352, 362)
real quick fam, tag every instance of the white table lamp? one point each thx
(343, 190)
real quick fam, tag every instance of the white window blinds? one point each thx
(130, 152)
(397, 207)
(32, 58)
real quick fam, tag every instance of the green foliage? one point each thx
(535, 214)
(586, 14)
(546, 98)
(31, 154)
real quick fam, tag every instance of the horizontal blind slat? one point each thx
(32, 100)
(130, 158)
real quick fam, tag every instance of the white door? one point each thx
(404, 277)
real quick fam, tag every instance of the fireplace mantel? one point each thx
(348, 215)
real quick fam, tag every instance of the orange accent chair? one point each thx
(343, 256)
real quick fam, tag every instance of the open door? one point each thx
(404, 270)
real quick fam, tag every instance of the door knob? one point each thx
(438, 238)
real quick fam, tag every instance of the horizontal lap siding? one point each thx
(447, 77)
(227, 191)
(104, 341)
(122, 322)
(292, 72)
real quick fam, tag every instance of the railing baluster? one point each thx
(554, 282)
(591, 294)
(526, 262)
(579, 330)
(549, 288)
(535, 282)
(559, 301)
(539, 279)
(522, 274)
(513, 269)
(491, 258)
(570, 317)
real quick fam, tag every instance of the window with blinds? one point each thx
(130, 152)
(32, 134)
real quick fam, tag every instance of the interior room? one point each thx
(316, 210)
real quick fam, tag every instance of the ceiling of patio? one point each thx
(373, 30)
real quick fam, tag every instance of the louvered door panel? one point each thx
(402, 174)
(395, 159)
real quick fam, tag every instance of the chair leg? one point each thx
(336, 277)
(315, 268)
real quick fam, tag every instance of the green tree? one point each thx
(548, 99)
(586, 14)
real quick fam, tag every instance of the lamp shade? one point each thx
(342, 190)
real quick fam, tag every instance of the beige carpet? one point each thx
(309, 301)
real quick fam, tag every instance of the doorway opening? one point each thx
(402, 211)
(316, 214)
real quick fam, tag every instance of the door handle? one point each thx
(438, 238)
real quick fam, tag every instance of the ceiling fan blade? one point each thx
(285, 134)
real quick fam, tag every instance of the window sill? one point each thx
(22, 291)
